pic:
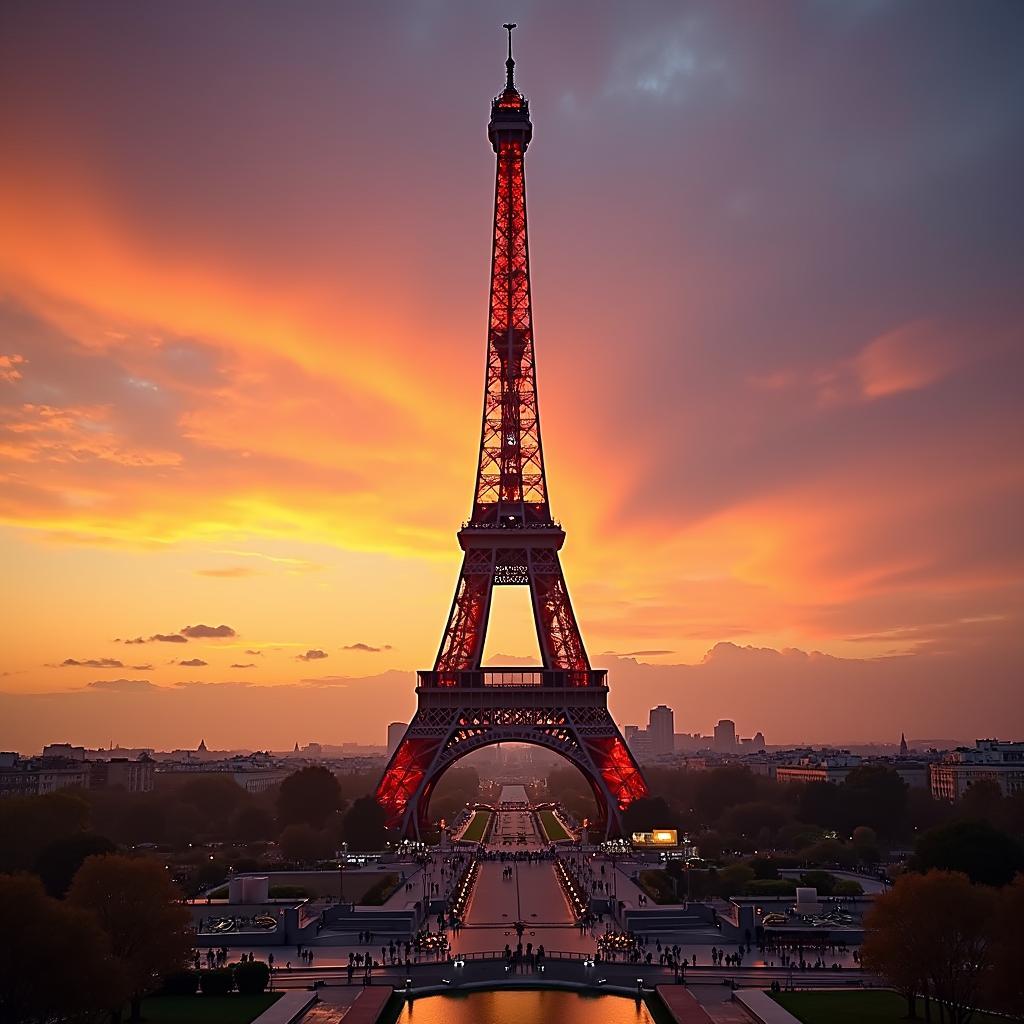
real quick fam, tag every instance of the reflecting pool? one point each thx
(526, 1007)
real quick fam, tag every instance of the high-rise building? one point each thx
(725, 736)
(396, 730)
(661, 727)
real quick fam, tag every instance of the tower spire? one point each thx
(510, 64)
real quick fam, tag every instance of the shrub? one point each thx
(847, 887)
(287, 892)
(658, 886)
(770, 887)
(181, 983)
(379, 891)
(218, 982)
(251, 977)
(823, 881)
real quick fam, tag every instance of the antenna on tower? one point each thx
(510, 64)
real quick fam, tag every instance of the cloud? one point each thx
(9, 372)
(260, 653)
(123, 685)
(91, 663)
(240, 665)
(290, 565)
(163, 638)
(636, 654)
(366, 647)
(231, 572)
(193, 663)
(203, 631)
(312, 655)
(907, 359)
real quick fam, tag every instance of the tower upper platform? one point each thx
(510, 110)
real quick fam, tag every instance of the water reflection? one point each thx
(528, 1007)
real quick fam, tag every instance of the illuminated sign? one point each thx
(659, 837)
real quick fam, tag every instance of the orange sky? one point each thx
(243, 280)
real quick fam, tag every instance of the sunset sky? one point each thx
(778, 271)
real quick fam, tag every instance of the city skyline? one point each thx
(211, 373)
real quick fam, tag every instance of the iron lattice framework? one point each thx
(510, 539)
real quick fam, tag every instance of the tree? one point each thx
(818, 803)
(365, 825)
(308, 796)
(56, 963)
(977, 849)
(214, 796)
(721, 788)
(57, 863)
(28, 824)
(646, 814)
(865, 843)
(875, 795)
(929, 936)
(750, 819)
(251, 824)
(733, 879)
(1006, 980)
(304, 844)
(140, 910)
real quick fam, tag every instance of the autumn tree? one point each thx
(929, 936)
(308, 797)
(56, 962)
(1006, 979)
(148, 927)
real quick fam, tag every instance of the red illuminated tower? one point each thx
(510, 539)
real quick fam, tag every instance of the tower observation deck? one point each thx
(510, 539)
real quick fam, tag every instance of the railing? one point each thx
(515, 677)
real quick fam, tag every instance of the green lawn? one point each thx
(477, 828)
(232, 1009)
(552, 826)
(858, 1008)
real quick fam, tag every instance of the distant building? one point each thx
(64, 750)
(996, 761)
(131, 776)
(36, 776)
(835, 765)
(904, 750)
(396, 730)
(661, 730)
(831, 767)
(725, 736)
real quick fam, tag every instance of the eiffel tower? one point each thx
(510, 539)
